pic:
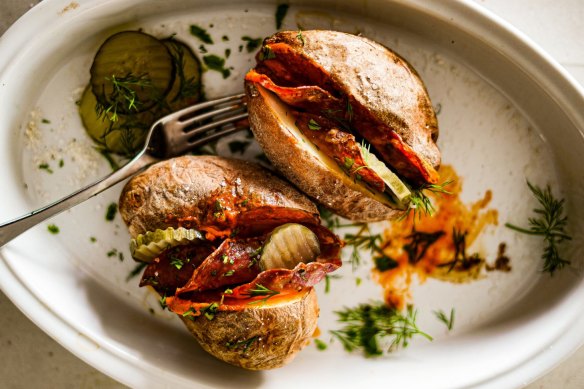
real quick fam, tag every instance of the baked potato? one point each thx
(345, 119)
(234, 251)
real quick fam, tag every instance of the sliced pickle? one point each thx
(146, 247)
(398, 189)
(288, 245)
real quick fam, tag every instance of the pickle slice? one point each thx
(146, 247)
(288, 245)
(125, 136)
(131, 72)
(186, 89)
(396, 188)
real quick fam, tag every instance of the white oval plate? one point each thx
(507, 113)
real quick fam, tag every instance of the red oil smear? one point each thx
(452, 217)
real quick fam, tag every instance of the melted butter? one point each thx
(451, 219)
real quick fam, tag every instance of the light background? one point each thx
(31, 359)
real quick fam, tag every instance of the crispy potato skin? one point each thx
(182, 186)
(307, 172)
(277, 333)
(378, 79)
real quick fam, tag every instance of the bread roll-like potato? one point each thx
(253, 334)
(362, 85)
(260, 337)
(181, 188)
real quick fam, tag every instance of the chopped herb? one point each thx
(300, 37)
(281, 12)
(121, 256)
(45, 166)
(362, 240)
(112, 253)
(260, 290)
(210, 311)
(45, 121)
(447, 320)
(327, 282)
(320, 345)
(251, 44)
(177, 263)
(370, 327)
(53, 229)
(225, 38)
(348, 162)
(266, 53)
(550, 224)
(419, 243)
(245, 343)
(203, 49)
(136, 271)
(313, 125)
(218, 206)
(229, 273)
(110, 214)
(123, 97)
(61, 163)
(226, 259)
(92, 239)
(384, 263)
(460, 255)
(358, 281)
(228, 291)
(162, 302)
(201, 33)
(240, 48)
(420, 202)
(216, 63)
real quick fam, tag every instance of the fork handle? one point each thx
(15, 227)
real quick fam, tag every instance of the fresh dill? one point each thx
(447, 320)
(550, 223)
(300, 37)
(251, 44)
(421, 203)
(362, 240)
(111, 211)
(281, 12)
(260, 290)
(419, 243)
(123, 98)
(246, 344)
(320, 345)
(201, 33)
(375, 328)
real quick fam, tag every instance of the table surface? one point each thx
(30, 358)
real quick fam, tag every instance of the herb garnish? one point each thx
(216, 63)
(123, 97)
(201, 33)
(210, 310)
(177, 263)
(266, 53)
(45, 121)
(384, 263)
(136, 271)
(447, 320)
(45, 166)
(53, 229)
(313, 125)
(420, 202)
(550, 224)
(251, 44)
(362, 240)
(281, 12)
(245, 343)
(300, 37)
(261, 290)
(370, 327)
(320, 345)
(110, 214)
(419, 243)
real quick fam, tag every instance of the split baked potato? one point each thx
(345, 119)
(232, 250)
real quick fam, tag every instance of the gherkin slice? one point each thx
(146, 247)
(289, 245)
(395, 185)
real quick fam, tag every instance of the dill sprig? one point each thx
(550, 223)
(123, 98)
(260, 290)
(370, 327)
(362, 240)
(421, 203)
(447, 320)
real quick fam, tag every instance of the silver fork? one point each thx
(168, 137)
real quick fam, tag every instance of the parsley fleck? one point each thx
(251, 44)
(201, 33)
(45, 166)
(281, 12)
(216, 63)
(313, 125)
(53, 229)
(110, 214)
(46, 121)
(320, 345)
